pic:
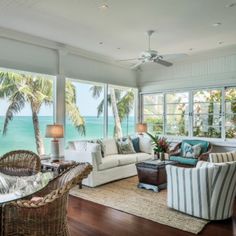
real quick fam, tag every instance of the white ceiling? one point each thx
(180, 24)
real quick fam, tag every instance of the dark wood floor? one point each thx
(91, 219)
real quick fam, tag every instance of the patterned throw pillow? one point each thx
(190, 151)
(125, 146)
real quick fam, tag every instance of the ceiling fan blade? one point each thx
(137, 65)
(131, 59)
(162, 62)
(173, 56)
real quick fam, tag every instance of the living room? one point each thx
(142, 93)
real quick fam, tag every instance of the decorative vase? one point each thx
(162, 156)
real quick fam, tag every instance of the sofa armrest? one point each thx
(78, 156)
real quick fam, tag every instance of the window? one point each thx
(230, 113)
(177, 114)
(84, 110)
(207, 113)
(153, 112)
(121, 112)
(26, 102)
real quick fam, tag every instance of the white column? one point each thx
(59, 96)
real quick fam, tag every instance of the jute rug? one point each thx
(124, 195)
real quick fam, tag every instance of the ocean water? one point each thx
(20, 133)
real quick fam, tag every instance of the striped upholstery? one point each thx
(222, 157)
(206, 191)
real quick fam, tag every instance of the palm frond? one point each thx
(72, 110)
(17, 103)
(96, 91)
(100, 108)
(76, 118)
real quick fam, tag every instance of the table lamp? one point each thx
(141, 128)
(54, 131)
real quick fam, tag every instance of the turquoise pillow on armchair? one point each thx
(204, 145)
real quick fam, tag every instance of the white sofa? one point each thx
(112, 166)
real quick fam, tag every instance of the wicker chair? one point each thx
(47, 216)
(20, 163)
(175, 153)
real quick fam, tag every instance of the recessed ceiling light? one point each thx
(104, 6)
(100, 43)
(217, 24)
(220, 42)
(233, 4)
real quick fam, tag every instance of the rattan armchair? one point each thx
(176, 153)
(20, 163)
(203, 157)
(47, 216)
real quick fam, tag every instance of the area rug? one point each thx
(124, 195)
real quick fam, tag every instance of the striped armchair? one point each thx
(206, 191)
(222, 157)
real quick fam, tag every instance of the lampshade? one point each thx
(54, 131)
(141, 127)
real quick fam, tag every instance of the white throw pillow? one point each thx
(145, 144)
(110, 147)
(80, 146)
(190, 151)
(96, 149)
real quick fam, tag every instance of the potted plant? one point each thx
(161, 146)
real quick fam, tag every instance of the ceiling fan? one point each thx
(149, 55)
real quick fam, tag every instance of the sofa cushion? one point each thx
(125, 146)
(108, 162)
(110, 147)
(135, 142)
(145, 144)
(190, 151)
(184, 160)
(142, 156)
(127, 159)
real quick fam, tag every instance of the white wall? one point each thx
(28, 53)
(213, 68)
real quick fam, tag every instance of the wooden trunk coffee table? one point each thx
(152, 174)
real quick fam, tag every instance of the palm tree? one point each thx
(21, 89)
(121, 105)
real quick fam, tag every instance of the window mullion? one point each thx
(105, 114)
(223, 104)
(191, 114)
(164, 113)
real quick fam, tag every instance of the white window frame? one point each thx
(219, 141)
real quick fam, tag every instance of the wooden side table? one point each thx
(152, 174)
(47, 164)
(57, 166)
